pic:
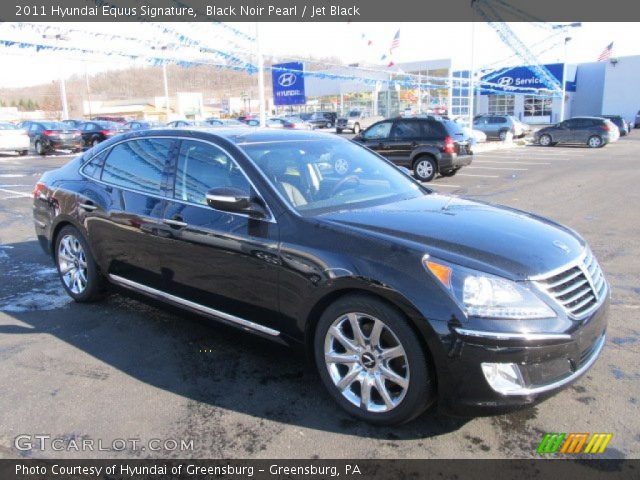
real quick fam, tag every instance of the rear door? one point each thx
(126, 215)
(220, 260)
(406, 135)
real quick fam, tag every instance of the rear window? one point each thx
(453, 129)
(54, 126)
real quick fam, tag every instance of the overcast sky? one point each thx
(286, 41)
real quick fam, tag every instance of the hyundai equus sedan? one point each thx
(404, 297)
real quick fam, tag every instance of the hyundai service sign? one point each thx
(523, 79)
(288, 84)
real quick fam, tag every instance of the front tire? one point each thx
(595, 141)
(425, 168)
(76, 266)
(545, 140)
(372, 362)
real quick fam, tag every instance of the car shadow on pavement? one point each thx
(216, 367)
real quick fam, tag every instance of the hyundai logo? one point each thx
(505, 81)
(287, 79)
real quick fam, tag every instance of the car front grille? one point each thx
(577, 289)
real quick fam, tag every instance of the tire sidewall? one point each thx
(425, 158)
(39, 147)
(421, 391)
(94, 281)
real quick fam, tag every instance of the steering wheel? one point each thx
(343, 182)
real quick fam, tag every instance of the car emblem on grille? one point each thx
(561, 246)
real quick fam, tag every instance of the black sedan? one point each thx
(47, 137)
(95, 132)
(402, 296)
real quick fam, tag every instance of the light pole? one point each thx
(564, 79)
(261, 99)
(166, 89)
(63, 98)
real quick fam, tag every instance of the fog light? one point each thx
(504, 378)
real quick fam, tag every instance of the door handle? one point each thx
(175, 222)
(88, 206)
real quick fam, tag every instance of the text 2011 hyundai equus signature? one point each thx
(404, 296)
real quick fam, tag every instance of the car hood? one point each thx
(491, 238)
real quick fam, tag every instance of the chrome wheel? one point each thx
(424, 169)
(545, 140)
(366, 362)
(72, 264)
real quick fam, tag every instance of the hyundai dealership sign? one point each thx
(288, 84)
(523, 79)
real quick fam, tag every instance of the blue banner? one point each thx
(521, 80)
(288, 84)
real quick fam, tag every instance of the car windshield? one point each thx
(318, 176)
(354, 114)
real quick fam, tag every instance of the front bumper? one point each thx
(546, 363)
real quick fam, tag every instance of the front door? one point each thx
(221, 260)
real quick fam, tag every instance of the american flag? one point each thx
(606, 53)
(395, 43)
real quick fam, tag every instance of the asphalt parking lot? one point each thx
(122, 369)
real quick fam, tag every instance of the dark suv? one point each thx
(322, 119)
(619, 122)
(426, 145)
(402, 296)
(595, 132)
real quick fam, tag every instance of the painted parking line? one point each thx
(17, 185)
(508, 162)
(499, 168)
(11, 175)
(474, 175)
(16, 193)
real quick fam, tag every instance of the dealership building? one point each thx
(594, 88)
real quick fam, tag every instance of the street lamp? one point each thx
(565, 28)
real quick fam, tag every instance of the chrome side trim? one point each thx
(124, 282)
(512, 336)
(552, 386)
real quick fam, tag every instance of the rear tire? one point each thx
(40, 150)
(503, 135)
(450, 173)
(425, 168)
(78, 271)
(369, 367)
(595, 141)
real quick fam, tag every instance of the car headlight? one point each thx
(484, 295)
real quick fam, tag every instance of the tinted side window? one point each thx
(407, 129)
(201, 167)
(93, 168)
(378, 131)
(138, 164)
(433, 130)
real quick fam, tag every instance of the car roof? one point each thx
(239, 135)
(586, 117)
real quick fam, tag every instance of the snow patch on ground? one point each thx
(36, 299)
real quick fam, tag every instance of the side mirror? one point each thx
(229, 199)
